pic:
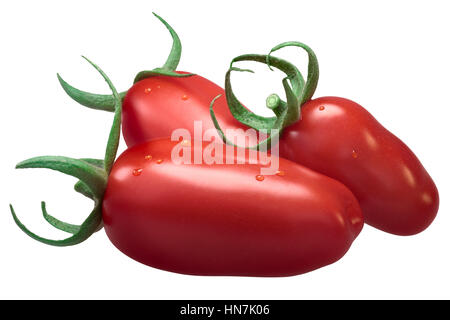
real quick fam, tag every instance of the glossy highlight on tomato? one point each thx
(223, 219)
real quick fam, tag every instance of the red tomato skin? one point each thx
(342, 141)
(220, 220)
(339, 138)
(156, 106)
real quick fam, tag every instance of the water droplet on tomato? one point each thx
(321, 108)
(259, 177)
(159, 87)
(280, 173)
(148, 157)
(137, 172)
(184, 97)
(354, 154)
(159, 161)
(148, 90)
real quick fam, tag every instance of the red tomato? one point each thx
(154, 107)
(226, 219)
(339, 138)
(336, 137)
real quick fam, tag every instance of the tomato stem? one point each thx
(275, 103)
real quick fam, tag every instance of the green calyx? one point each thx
(92, 174)
(287, 112)
(106, 102)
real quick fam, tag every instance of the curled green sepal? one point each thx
(168, 69)
(313, 68)
(285, 115)
(93, 175)
(86, 229)
(249, 118)
(106, 102)
(90, 175)
(103, 102)
(58, 224)
(79, 187)
(61, 225)
(175, 53)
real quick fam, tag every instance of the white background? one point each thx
(390, 56)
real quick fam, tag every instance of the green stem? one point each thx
(274, 103)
